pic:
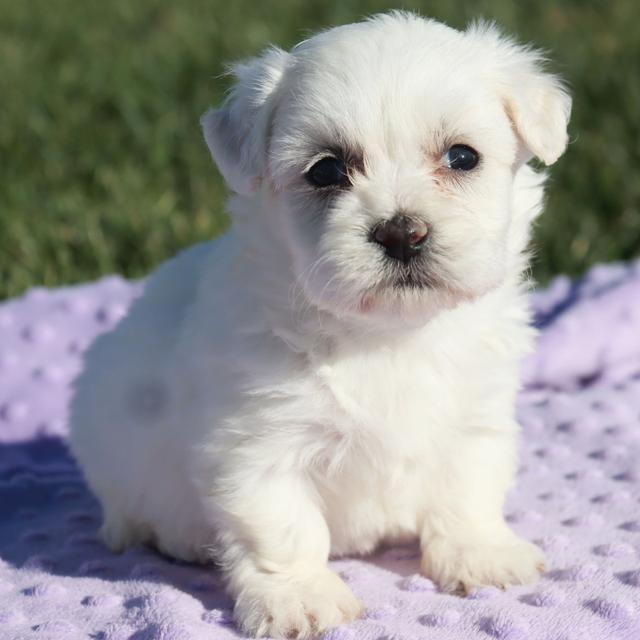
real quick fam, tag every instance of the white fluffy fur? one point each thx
(273, 399)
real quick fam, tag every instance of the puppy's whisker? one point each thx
(302, 281)
(298, 296)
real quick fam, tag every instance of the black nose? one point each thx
(402, 237)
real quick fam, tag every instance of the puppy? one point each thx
(340, 368)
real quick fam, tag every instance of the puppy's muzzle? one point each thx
(402, 237)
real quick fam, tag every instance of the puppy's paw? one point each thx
(460, 567)
(282, 606)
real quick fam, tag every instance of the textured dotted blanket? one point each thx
(577, 493)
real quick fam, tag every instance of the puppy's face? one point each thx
(388, 151)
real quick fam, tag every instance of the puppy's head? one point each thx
(387, 152)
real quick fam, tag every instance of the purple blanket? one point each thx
(577, 495)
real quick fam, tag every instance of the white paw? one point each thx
(289, 606)
(459, 567)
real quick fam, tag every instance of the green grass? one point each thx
(102, 164)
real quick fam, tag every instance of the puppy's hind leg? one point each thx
(273, 545)
(118, 532)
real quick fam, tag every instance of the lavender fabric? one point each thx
(577, 493)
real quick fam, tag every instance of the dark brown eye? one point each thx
(328, 172)
(461, 157)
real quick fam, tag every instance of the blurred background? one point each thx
(103, 167)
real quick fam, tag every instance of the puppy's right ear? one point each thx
(236, 132)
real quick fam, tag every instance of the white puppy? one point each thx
(340, 368)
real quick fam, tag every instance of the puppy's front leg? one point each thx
(274, 547)
(465, 540)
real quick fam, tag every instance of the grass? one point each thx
(102, 164)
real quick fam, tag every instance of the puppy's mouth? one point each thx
(410, 280)
(410, 288)
(415, 276)
(393, 291)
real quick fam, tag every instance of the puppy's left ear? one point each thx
(537, 102)
(236, 132)
(539, 108)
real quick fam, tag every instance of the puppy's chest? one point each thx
(398, 397)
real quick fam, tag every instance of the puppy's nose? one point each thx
(402, 237)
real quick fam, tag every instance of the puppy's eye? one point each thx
(461, 157)
(328, 172)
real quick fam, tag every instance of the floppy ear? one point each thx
(236, 131)
(539, 108)
(536, 101)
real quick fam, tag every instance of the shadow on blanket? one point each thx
(57, 531)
